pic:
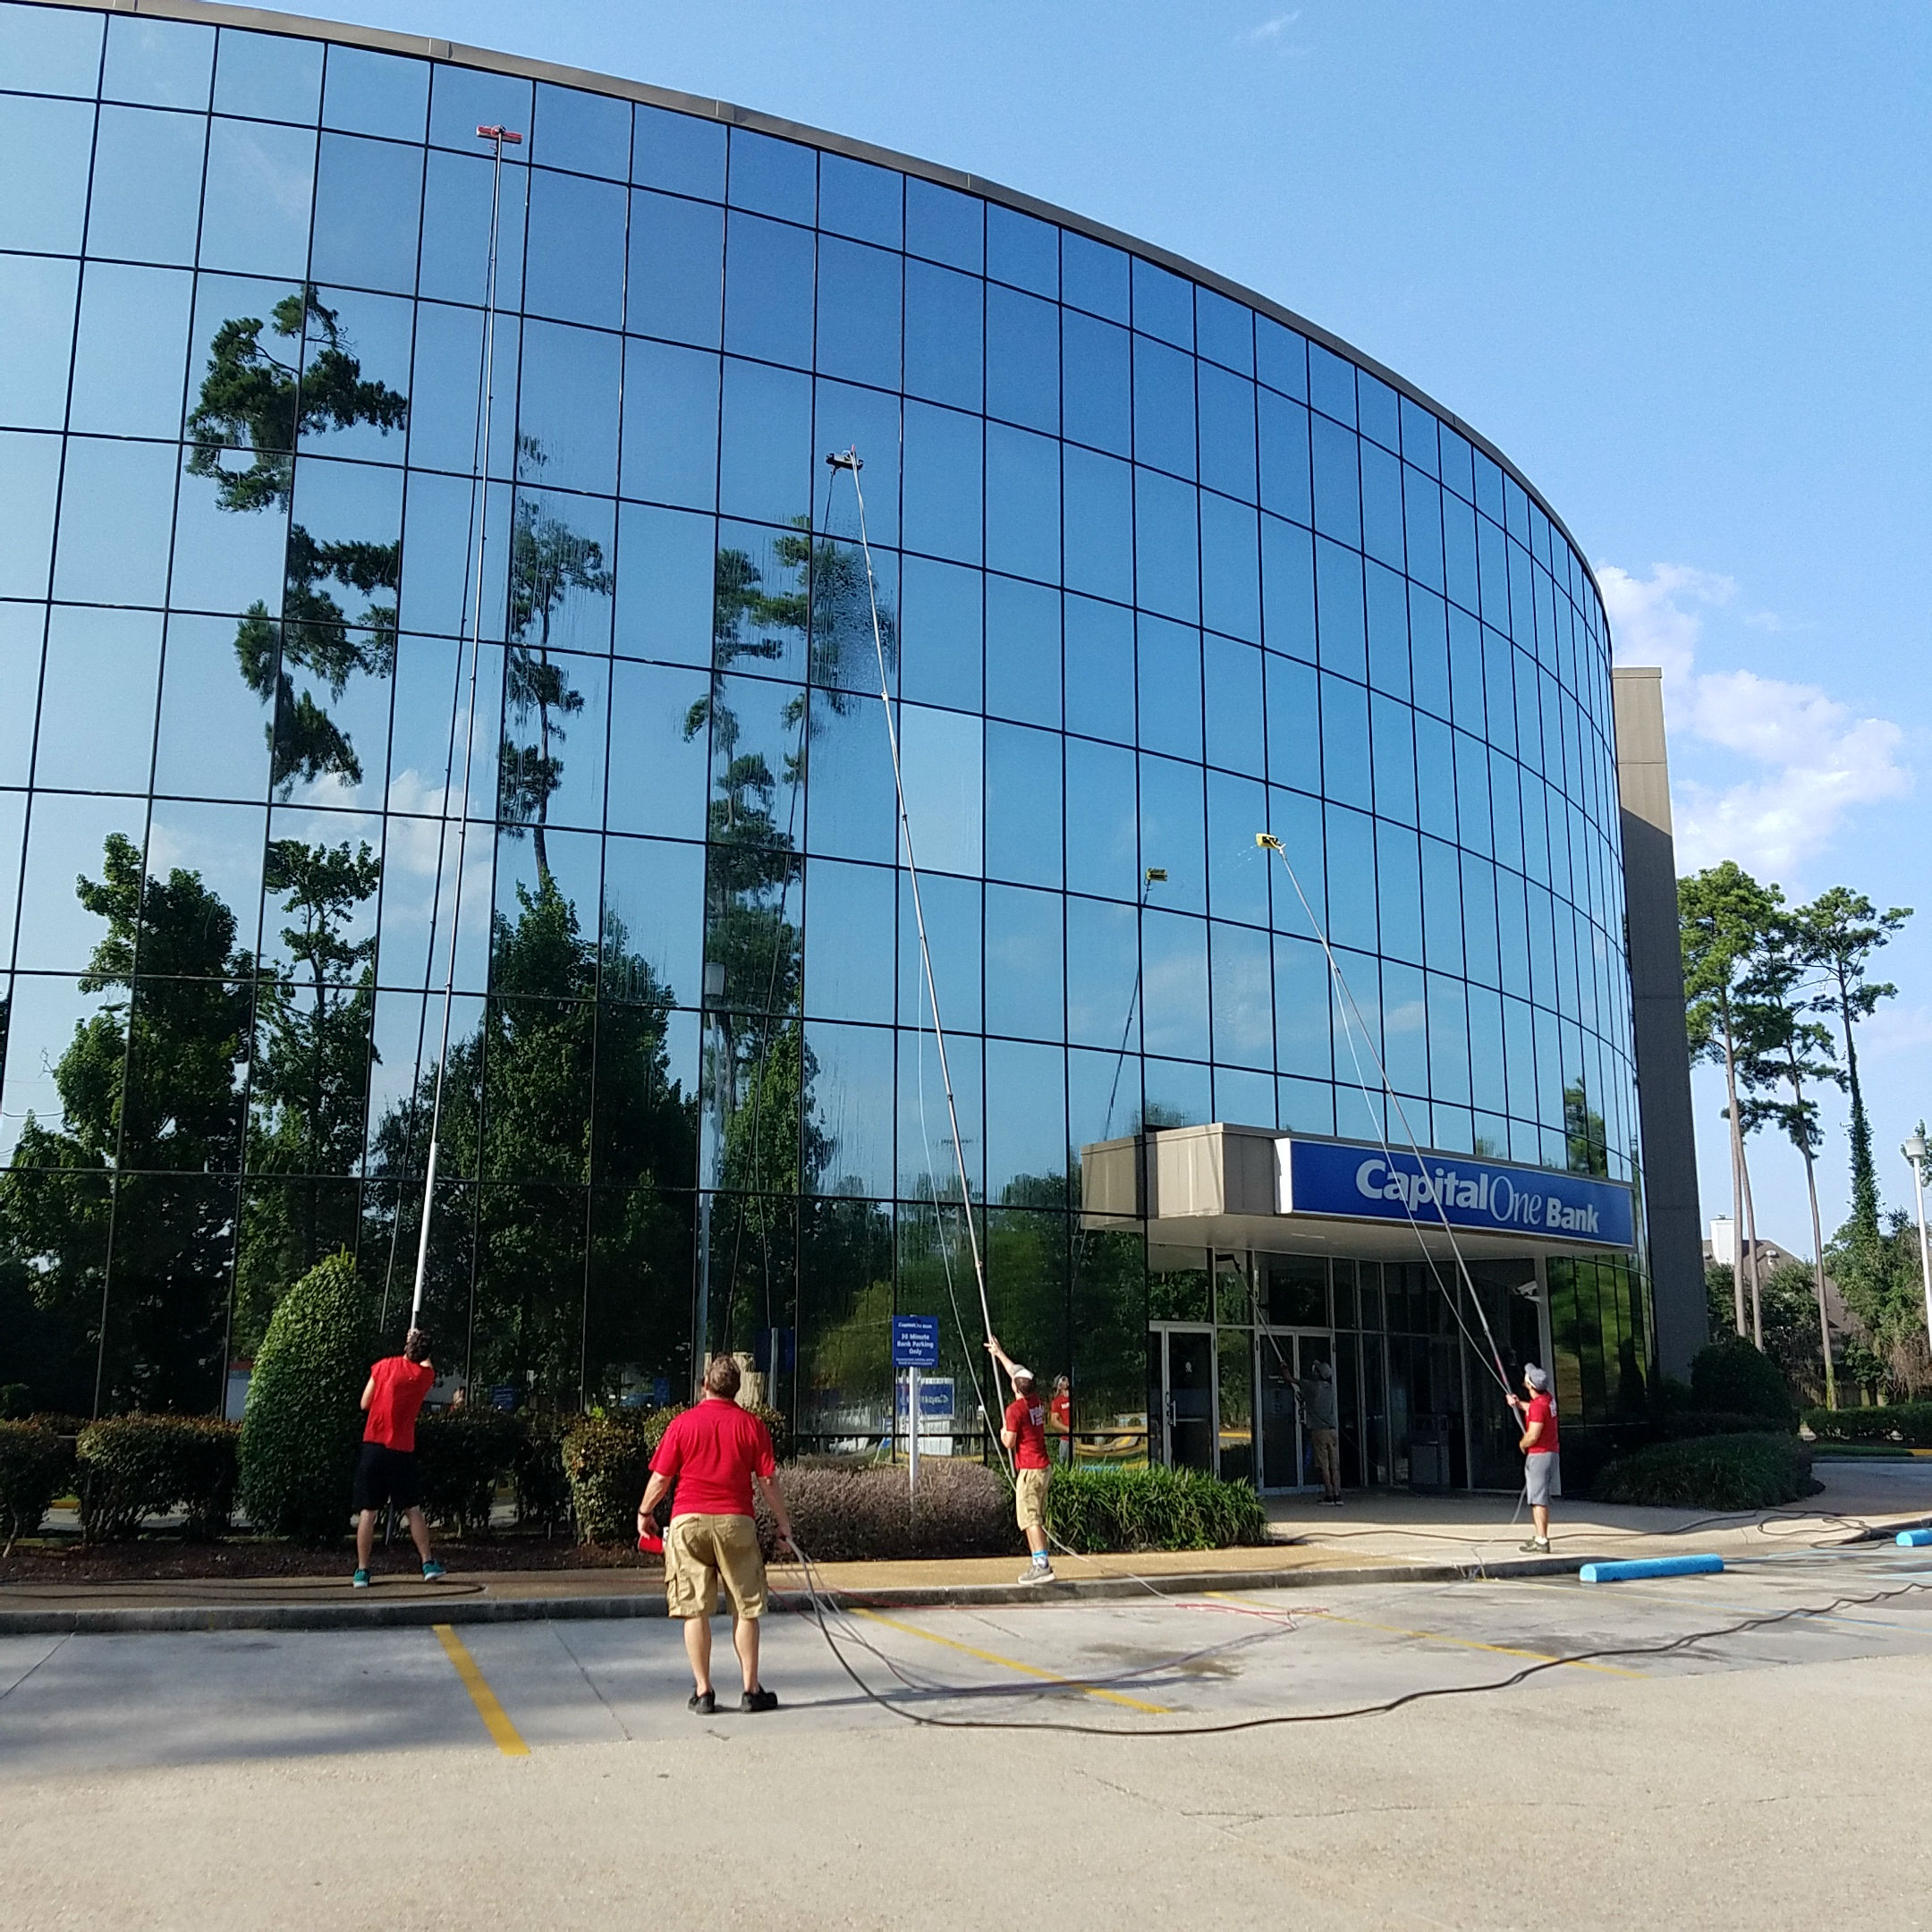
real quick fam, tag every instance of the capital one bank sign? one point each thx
(1360, 1183)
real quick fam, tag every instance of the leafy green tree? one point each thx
(1838, 933)
(256, 402)
(139, 1175)
(1882, 1288)
(1722, 915)
(311, 1083)
(1783, 1058)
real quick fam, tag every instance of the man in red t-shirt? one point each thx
(715, 1453)
(386, 1472)
(1023, 1431)
(1540, 1459)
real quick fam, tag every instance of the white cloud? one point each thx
(1270, 31)
(1809, 762)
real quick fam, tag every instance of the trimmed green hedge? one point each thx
(1151, 1508)
(302, 1424)
(36, 1466)
(607, 1462)
(1909, 1423)
(136, 1466)
(460, 1456)
(1734, 1377)
(1711, 1472)
(543, 1491)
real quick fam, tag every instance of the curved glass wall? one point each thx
(1156, 572)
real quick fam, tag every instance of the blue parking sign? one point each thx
(915, 1341)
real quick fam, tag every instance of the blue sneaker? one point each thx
(359, 1581)
(431, 1571)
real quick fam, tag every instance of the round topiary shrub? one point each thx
(1734, 1377)
(301, 1425)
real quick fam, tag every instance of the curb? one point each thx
(418, 1612)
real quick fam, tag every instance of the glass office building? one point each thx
(1158, 567)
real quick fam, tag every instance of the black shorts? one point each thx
(384, 1476)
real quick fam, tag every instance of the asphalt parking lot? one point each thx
(549, 1775)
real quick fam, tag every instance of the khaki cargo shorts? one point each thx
(1030, 1498)
(700, 1549)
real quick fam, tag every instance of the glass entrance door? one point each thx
(1287, 1356)
(1185, 1420)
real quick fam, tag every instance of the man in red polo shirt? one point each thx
(1023, 1431)
(715, 1453)
(386, 1472)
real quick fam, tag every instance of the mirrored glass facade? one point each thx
(1157, 570)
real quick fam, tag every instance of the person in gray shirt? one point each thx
(1315, 1392)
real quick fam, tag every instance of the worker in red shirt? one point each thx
(1023, 1431)
(385, 1473)
(1539, 1445)
(1059, 1416)
(715, 1453)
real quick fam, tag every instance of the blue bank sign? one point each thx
(1362, 1183)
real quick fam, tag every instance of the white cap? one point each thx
(1020, 1372)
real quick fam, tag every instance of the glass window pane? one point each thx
(1022, 805)
(945, 226)
(1224, 330)
(1164, 407)
(1093, 275)
(1174, 985)
(213, 741)
(368, 206)
(576, 266)
(456, 232)
(1163, 304)
(1022, 250)
(848, 941)
(667, 562)
(1233, 683)
(1174, 832)
(850, 1100)
(50, 50)
(943, 459)
(1288, 589)
(1098, 524)
(462, 99)
(1170, 688)
(1102, 821)
(1167, 545)
(863, 419)
(162, 64)
(852, 808)
(30, 469)
(1281, 358)
(117, 503)
(1243, 997)
(1231, 573)
(677, 256)
(772, 177)
(260, 181)
(943, 318)
(1237, 868)
(1022, 652)
(1096, 383)
(769, 291)
(369, 93)
(1103, 965)
(271, 77)
(954, 939)
(859, 200)
(1099, 670)
(1025, 967)
(766, 470)
(586, 133)
(1343, 633)
(1023, 511)
(37, 320)
(567, 410)
(859, 311)
(943, 756)
(940, 635)
(1293, 727)
(678, 151)
(1345, 770)
(658, 782)
(1022, 359)
(48, 152)
(1284, 458)
(98, 700)
(1332, 385)
(147, 194)
(1227, 433)
(670, 424)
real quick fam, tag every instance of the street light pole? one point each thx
(1914, 1151)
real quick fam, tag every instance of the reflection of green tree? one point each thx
(256, 402)
(1583, 1132)
(548, 562)
(149, 1089)
(546, 1130)
(310, 1081)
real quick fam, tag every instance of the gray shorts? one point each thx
(1540, 1472)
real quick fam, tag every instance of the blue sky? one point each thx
(1675, 261)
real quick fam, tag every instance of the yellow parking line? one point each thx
(495, 1719)
(1469, 1643)
(1006, 1662)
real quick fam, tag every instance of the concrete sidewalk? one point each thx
(1377, 1537)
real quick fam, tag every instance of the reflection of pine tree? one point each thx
(548, 561)
(311, 1084)
(151, 1136)
(574, 1089)
(1583, 1130)
(256, 402)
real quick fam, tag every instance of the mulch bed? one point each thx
(67, 1560)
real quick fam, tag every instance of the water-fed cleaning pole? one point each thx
(848, 460)
(499, 138)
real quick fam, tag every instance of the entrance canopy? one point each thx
(1226, 1186)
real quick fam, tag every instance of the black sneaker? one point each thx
(758, 1700)
(704, 1702)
